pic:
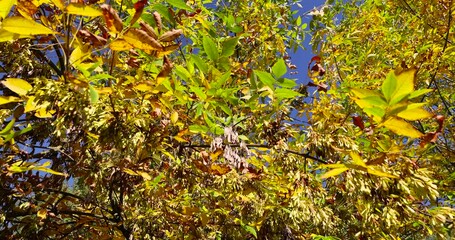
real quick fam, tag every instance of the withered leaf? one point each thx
(148, 29)
(170, 35)
(157, 18)
(358, 121)
(140, 39)
(139, 7)
(113, 22)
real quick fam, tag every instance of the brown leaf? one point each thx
(91, 38)
(430, 137)
(440, 120)
(316, 69)
(139, 7)
(167, 67)
(148, 29)
(358, 121)
(170, 35)
(113, 22)
(157, 18)
(140, 39)
(321, 86)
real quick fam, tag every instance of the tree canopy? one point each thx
(129, 119)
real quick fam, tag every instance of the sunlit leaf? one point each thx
(283, 93)
(120, 45)
(8, 99)
(419, 93)
(179, 4)
(17, 85)
(94, 96)
(415, 114)
(83, 10)
(402, 127)
(265, 77)
(404, 85)
(42, 213)
(389, 86)
(5, 7)
(279, 68)
(373, 171)
(357, 159)
(210, 48)
(23, 26)
(229, 47)
(334, 172)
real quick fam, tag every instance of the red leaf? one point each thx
(358, 122)
(139, 5)
(430, 137)
(440, 120)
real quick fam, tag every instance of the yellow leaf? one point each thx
(82, 10)
(8, 99)
(334, 172)
(405, 84)
(143, 87)
(5, 7)
(145, 175)
(42, 213)
(17, 85)
(414, 114)
(179, 139)
(30, 105)
(174, 117)
(43, 113)
(379, 173)
(357, 159)
(104, 90)
(130, 172)
(59, 4)
(402, 127)
(78, 55)
(9, 36)
(120, 45)
(21, 25)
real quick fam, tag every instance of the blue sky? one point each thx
(302, 57)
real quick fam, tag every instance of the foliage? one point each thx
(176, 119)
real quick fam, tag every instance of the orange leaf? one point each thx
(113, 22)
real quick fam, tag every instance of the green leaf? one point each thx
(198, 129)
(283, 93)
(8, 127)
(376, 112)
(210, 48)
(8, 99)
(250, 230)
(265, 77)
(94, 96)
(389, 86)
(5, 7)
(17, 85)
(229, 46)
(200, 63)
(82, 10)
(279, 68)
(24, 26)
(198, 91)
(180, 4)
(286, 83)
(402, 127)
(419, 93)
(334, 172)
